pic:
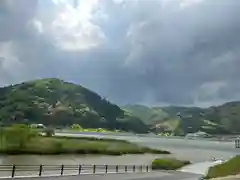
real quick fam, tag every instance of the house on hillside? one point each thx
(159, 128)
(199, 134)
(38, 126)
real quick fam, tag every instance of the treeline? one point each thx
(179, 120)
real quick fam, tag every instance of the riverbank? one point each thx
(71, 145)
(228, 168)
(234, 177)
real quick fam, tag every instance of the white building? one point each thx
(40, 126)
(198, 134)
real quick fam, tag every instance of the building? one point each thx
(39, 126)
(199, 134)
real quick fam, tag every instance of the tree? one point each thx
(76, 127)
(18, 135)
(49, 132)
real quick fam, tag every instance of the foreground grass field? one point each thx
(20, 139)
(64, 145)
(231, 167)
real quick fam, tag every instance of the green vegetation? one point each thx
(231, 167)
(53, 102)
(168, 163)
(17, 136)
(146, 114)
(49, 132)
(56, 103)
(222, 119)
(20, 139)
(78, 128)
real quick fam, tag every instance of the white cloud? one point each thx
(36, 25)
(10, 65)
(8, 60)
(57, 2)
(72, 28)
(188, 3)
(168, 51)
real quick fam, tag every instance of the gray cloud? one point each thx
(140, 51)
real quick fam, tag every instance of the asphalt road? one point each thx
(130, 176)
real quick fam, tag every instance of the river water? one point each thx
(193, 150)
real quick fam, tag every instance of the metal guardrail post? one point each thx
(40, 170)
(13, 170)
(106, 168)
(94, 168)
(79, 169)
(62, 168)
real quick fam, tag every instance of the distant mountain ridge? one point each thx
(54, 102)
(223, 119)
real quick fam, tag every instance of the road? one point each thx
(130, 176)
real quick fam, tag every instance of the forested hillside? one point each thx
(58, 103)
(223, 119)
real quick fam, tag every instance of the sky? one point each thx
(152, 52)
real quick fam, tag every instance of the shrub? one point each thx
(168, 164)
(49, 132)
(76, 127)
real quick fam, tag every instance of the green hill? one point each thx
(146, 114)
(222, 119)
(227, 115)
(55, 102)
(154, 116)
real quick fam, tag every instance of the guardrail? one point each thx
(60, 170)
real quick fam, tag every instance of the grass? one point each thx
(231, 167)
(99, 130)
(77, 145)
(168, 164)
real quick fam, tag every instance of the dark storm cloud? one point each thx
(154, 51)
(14, 15)
(178, 52)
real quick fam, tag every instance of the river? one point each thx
(193, 150)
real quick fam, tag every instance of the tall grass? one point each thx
(70, 145)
